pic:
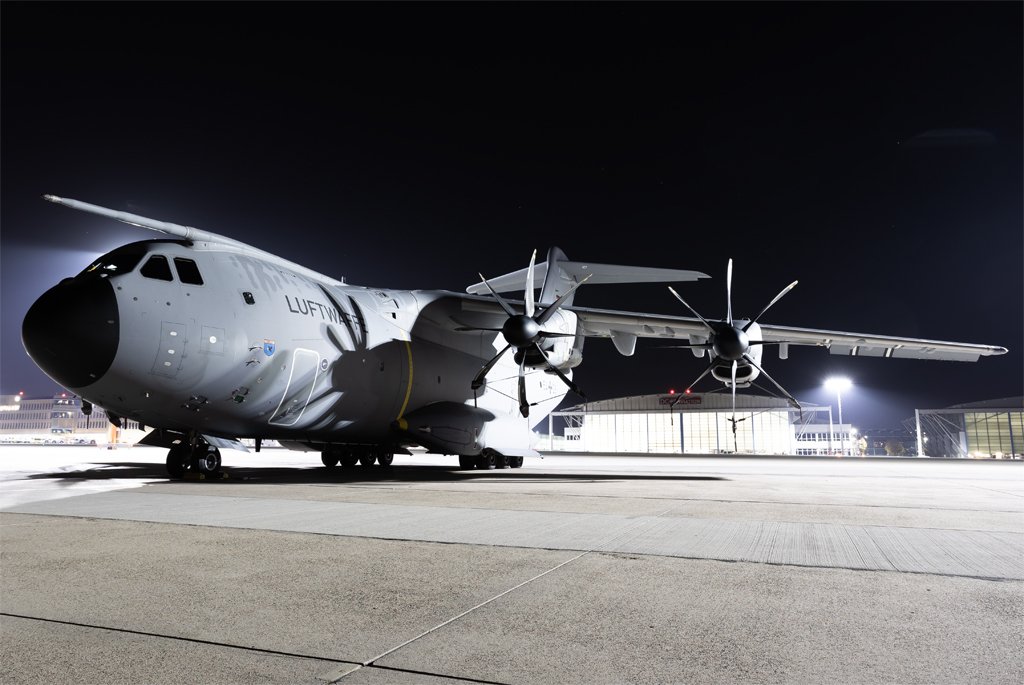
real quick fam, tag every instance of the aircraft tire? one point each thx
(176, 460)
(207, 461)
(515, 462)
(348, 460)
(485, 461)
(502, 461)
(385, 458)
(466, 462)
(329, 458)
(368, 459)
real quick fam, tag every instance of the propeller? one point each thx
(729, 342)
(525, 332)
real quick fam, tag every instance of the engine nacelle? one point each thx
(561, 352)
(745, 373)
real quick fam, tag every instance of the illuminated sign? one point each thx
(674, 400)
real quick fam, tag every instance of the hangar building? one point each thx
(993, 429)
(698, 423)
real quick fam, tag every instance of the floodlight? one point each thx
(838, 384)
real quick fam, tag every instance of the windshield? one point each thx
(120, 261)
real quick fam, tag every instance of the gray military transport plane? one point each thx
(208, 340)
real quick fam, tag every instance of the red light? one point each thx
(21, 392)
(671, 391)
(63, 394)
(687, 391)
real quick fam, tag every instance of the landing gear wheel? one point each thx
(349, 460)
(330, 459)
(368, 459)
(207, 461)
(515, 462)
(385, 458)
(502, 461)
(177, 458)
(485, 461)
(466, 463)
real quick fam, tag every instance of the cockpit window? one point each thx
(188, 272)
(120, 261)
(157, 267)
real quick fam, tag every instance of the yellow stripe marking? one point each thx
(408, 389)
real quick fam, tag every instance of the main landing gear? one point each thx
(489, 459)
(349, 456)
(197, 457)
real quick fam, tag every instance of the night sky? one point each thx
(873, 151)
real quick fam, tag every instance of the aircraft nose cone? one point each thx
(71, 332)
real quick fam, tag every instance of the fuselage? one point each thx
(195, 336)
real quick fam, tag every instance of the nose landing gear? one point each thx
(196, 457)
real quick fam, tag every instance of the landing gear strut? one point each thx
(197, 456)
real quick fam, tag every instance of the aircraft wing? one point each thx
(625, 327)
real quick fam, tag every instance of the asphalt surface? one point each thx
(571, 569)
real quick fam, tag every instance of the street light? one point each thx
(839, 384)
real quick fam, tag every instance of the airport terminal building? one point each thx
(58, 419)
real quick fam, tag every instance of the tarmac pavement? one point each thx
(571, 569)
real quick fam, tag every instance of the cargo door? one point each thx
(301, 379)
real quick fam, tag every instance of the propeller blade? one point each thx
(546, 314)
(792, 399)
(706, 372)
(558, 372)
(478, 380)
(728, 293)
(775, 342)
(768, 306)
(702, 319)
(552, 334)
(528, 295)
(524, 407)
(504, 305)
(477, 328)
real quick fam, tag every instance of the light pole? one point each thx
(839, 385)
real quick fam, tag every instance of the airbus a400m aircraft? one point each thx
(207, 340)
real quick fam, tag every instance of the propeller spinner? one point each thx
(525, 332)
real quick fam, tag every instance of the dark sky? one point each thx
(872, 150)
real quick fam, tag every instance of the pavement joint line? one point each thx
(465, 679)
(213, 643)
(1001, 492)
(601, 548)
(641, 523)
(695, 499)
(370, 662)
